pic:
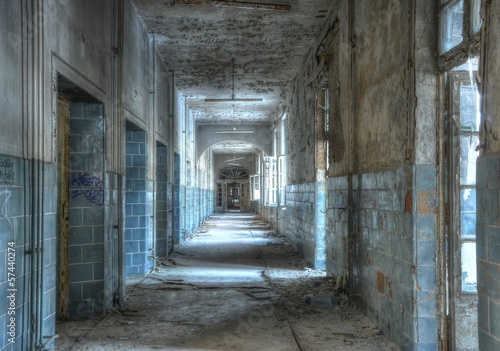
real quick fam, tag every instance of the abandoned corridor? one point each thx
(235, 285)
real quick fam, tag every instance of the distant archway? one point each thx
(233, 173)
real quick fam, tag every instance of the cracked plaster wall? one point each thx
(392, 70)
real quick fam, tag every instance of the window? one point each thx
(255, 186)
(219, 195)
(468, 139)
(326, 126)
(270, 180)
(460, 22)
(281, 180)
(282, 162)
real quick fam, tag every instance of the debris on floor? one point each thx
(216, 293)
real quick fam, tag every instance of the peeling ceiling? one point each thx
(258, 45)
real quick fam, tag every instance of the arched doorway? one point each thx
(232, 189)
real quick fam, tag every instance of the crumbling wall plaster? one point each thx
(382, 80)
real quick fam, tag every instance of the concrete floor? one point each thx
(235, 285)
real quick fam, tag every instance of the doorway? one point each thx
(162, 237)
(82, 286)
(139, 235)
(231, 189)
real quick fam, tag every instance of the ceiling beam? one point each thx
(239, 4)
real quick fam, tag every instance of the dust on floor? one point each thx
(233, 285)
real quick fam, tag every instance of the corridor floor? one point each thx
(234, 285)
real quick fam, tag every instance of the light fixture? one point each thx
(236, 146)
(231, 131)
(239, 4)
(235, 159)
(233, 99)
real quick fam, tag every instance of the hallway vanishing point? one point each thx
(235, 285)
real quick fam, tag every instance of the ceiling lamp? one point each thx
(231, 131)
(239, 4)
(233, 99)
(235, 159)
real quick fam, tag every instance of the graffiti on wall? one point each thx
(6, 172)
(91, 188)
(5, 196)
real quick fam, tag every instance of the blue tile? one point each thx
(75, 291)
(132, 148)
(76, 110)
(75, 217)
(427, 330)
(132, 222)
(81, 126)
(488, 279)
(93, 215)
(75, 254)
(129, 160)
(91, 290)
(425, 226)
(138, 259)
(3, 267)
(92, 110)
(132, 246)
(483, 313)
(488, 207)
(495, 319)
(98, 271)
(132, 271)
(493, 244)
(98, 234)
(92, 253)
(427, 346)
(425, 177)
(426, 301)
(81, 235)
(81, 272)
(426, 252)
(140, 136)
(132, 173)
(482, 241)
(128, 259)
(426, 277)
(138, 234)
(136, 185)
(487, 342)
(4, 336)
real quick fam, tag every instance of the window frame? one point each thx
(470, 45)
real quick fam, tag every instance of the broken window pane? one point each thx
(469, 276)
(468, 157)
(468, 213)
(476, 16)
(452, 19)
(469, 108)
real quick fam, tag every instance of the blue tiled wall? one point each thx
(111, 239)
(305, 227)
(394, 224)
(23, 184)
(87, 200)
(178, 204)
(162, 241)
(197, 207)
(138, 206)
(189, 200)
(488, 251)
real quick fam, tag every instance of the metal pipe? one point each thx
(43, 347)
(352, 115)
(120, 122)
